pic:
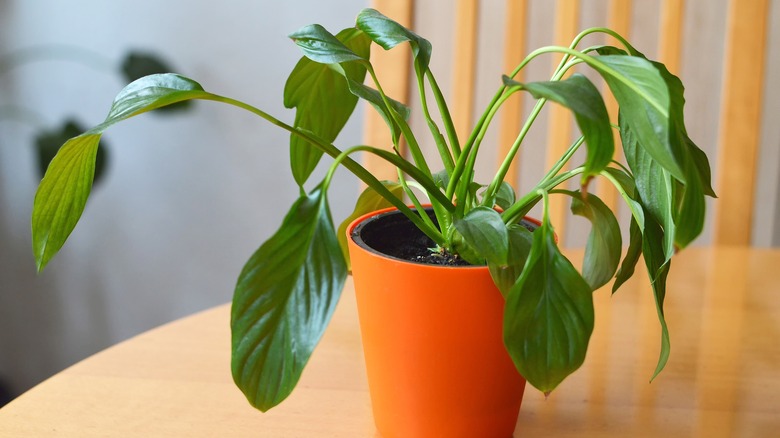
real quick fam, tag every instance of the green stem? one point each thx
(522, 205)
(444, 111)
(411, 140)
(422, 221)
(441, 145)
(334, 152)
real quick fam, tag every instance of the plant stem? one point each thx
(444, 111)
(422, 221)
(334, 152)
(522, 205)
(441, 145)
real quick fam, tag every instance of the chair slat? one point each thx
(740, 120)
(560, 126)
(511, 112)
(463, 68)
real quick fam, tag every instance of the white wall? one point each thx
(188, 197)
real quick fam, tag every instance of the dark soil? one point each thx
(393, 235)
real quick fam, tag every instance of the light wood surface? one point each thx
(723, 378)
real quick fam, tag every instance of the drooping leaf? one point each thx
(631, 258)
(505, 276)
(321, 46)
(323, 101)
(48, 142)
(644, 101)
(548, 318)
(688, 197)
(62, 195)
(388, 34)
(283, 301)
(483, 229)
(602, 252)
(136, 65)
(64, 189)
(653, 186)
(658, 265)
(367, 202)
(578, 94)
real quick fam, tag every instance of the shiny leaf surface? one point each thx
(283, 301)
(548, 318)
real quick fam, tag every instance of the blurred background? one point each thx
(188, 196)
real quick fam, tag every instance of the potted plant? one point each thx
(540, 306)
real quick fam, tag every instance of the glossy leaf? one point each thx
(653, 185)
(136, 65)
(63, 191)
(505, 276)
(284, 299)
(367, 202)
(321, 46)
(578, 94)
(688, 197)
(628, 186)
(322, 101)
(149, 93)
(644, 101)
(548, 317)
(483, 229)
(602, 252)
(388, 34)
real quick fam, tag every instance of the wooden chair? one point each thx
(739, 124)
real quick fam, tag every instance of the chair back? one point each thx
(719, 49)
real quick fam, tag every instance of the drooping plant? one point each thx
(288, 289)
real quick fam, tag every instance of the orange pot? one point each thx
(435, 358)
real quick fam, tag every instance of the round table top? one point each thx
(723, 378)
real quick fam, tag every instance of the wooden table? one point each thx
(723, 379)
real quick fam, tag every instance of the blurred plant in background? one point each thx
(48, 139)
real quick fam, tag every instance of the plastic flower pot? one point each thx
(432, 337)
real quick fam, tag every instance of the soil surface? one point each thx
(392, 234)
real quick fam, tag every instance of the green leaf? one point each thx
(483, 230)
(48, 142)
(653, 186)
(62, 195)
(644, 100)
(283, 301)
(631, 258)
(149, 93)
(548, 318)
(505, 196)
(388, 34)
(658, 265)
(505, 276)
(136, 65)
(64, 189)
(602, 252)
(321, 46)
(367, 202)
(323, 101)
(578, 94)
(628, 186)
(688, 197)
